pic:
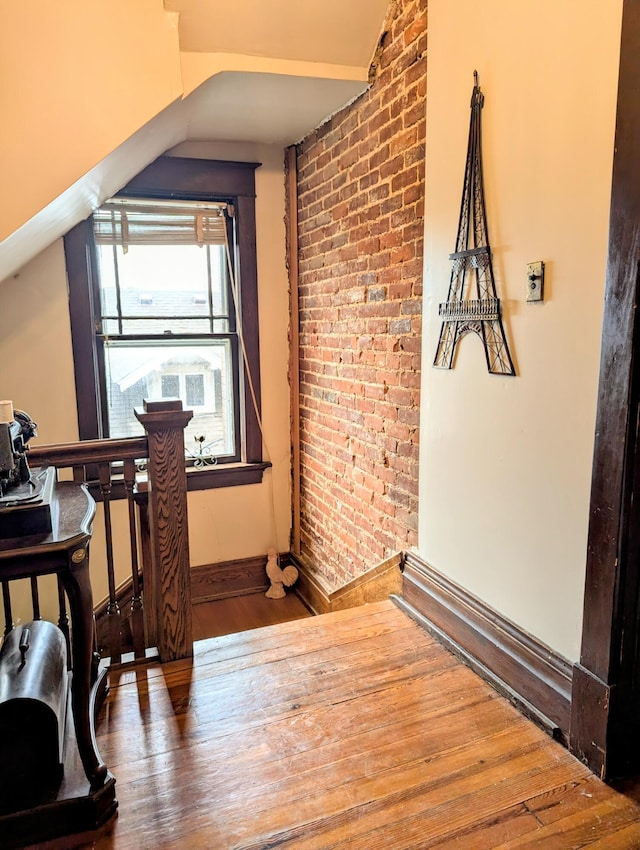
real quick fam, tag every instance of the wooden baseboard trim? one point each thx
(378, 583)
(229, 578)
(530, 674)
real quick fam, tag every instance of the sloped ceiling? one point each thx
(266, 71)
(270, 108)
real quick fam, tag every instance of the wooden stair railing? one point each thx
(160, 608)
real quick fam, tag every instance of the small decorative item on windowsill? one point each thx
(279, 577)
(203, 455)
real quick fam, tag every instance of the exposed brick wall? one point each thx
(360, 210)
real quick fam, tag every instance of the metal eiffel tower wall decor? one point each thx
(468, 309)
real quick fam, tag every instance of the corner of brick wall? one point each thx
(360, 219)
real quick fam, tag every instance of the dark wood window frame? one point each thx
(179, 179)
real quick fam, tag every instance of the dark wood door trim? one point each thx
(604, 682)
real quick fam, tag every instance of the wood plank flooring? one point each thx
(240, 613)
(352, 730)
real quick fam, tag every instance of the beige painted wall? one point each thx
(67, 71)
(505, 463)
(36, 371)
(36, 361)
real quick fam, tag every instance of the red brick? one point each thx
(417, 28)
(369, 179)
(401, 141)
(413, 115)
(403, 253)
(406, 178)
(360, 210)
(390, 131)
(393, 167)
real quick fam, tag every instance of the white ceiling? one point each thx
(341, 32)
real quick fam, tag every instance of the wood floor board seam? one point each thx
(420, 787)
(360, 812)
(446, 812)
(252, 659)
(453, 838)
(218, 723)
(607, 807)
(444, 711)
(408, 762)
(402, 655)
(330, 696)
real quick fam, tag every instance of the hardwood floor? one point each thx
(240, 613)
(352, 730)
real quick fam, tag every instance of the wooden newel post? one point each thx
(170, 591)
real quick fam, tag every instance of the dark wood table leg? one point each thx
(77, 585)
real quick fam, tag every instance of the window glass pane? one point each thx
(194, 390)
(155, 281)
(170, 386)
(199, 373)
(221, 326)
(219, 278)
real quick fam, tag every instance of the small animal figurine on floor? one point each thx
(279, 577)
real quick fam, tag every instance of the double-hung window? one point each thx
(163, 302)
(166, 323)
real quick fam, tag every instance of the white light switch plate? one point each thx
(535, 281)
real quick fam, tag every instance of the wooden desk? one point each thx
(65, 552)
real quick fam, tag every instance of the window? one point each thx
(194, 391)
(170, 386)
(166, 310)
(159, 278)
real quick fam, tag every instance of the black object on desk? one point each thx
(34, 693)
(86, 795)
